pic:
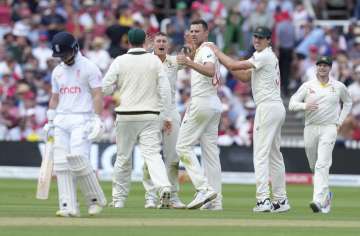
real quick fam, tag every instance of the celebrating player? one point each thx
(201, 122)
(161, 47)
(263, 71)
(320, 98)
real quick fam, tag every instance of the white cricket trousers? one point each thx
(200, 124)
(268, 160)
(171, 159)
(144, 130)
(319, 143)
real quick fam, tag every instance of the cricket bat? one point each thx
(45, 173)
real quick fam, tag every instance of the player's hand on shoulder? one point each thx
(212, 46)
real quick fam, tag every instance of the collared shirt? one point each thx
(74, 83)
(202, 85)
(171, 68)
(327, 97)
(265, 77)
(141, 82)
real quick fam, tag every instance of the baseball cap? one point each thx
(325, 60)
(136, 36)
(262, 31)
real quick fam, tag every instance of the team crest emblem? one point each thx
(311, 91)
(57, 48)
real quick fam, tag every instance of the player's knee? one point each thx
(60, 162)
(122, 163)
(79, 165)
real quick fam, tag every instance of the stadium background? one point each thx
(302, 30)
(329, 27)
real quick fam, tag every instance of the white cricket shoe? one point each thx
(165, 199)
(150, 203)
(280, 206)
(95, 209)
(175, 202)
(263, 206)
(67, 213)
(327, 205)
(201, 198)
(214, 205)
(117, 204)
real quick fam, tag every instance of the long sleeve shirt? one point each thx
(328, 98)
(142, 83)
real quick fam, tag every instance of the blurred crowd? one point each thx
(27, 27)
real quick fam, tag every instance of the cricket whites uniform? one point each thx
(321, 127)
(200, 124)
(171, 159)
(142, 83)
(269, 118)
(73, 84)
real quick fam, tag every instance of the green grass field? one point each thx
(21, 214)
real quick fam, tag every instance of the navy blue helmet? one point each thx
(63, 43)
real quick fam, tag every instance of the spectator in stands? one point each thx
(98, 54)
(42, 52)
(354, 52)
(178, 25)
(307, 70)
(261, 17)
(285, 42)
(52, 20)
(233, 34)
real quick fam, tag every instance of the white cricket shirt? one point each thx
(265, 77)
(171, 68)
(74, 84)
(327, 97)
(202, 85)
(141, 81)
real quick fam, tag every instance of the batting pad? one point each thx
(89, 184)
(67, 191)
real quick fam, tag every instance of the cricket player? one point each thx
(141, 80)
(201, 121)
(171, 67)
(263, 71)
(75, 105)
(320, 99)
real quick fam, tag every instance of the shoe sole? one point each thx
(258, 211)
(212, 197)
(281, 211)
(314, 207)
(165, 201)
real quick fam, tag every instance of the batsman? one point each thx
(74, 118)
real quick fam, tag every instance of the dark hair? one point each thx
(200, 22)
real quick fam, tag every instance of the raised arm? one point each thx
(230, 63)
(242, 75)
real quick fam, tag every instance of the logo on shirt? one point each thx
(70, 90)
(311, 91)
